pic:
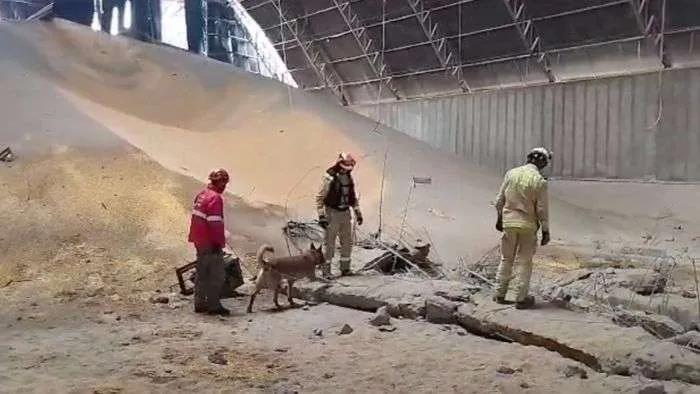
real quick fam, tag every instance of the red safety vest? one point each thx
(207, 222)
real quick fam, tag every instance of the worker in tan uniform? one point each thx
(523, 208)
(334, 201)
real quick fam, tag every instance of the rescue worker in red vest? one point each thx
(208, 235)
(523, 208)
(333, 203)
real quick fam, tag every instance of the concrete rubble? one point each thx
(689, 339)
(657, 325)
(606, 347)
(381, 318)
(583, 289)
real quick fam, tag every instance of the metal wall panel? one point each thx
(644, 126)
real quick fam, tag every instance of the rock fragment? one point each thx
(658, 325)
(653, 388)
(690, 339)
(380, 318)
(217, 358)
(574, 370)
(439, 310)
(159, 299)
(505, 370)
(345, 330)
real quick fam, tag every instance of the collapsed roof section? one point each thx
(382, 50)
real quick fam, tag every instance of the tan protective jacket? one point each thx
(523, 201)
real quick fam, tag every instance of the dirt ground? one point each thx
(78, 276)
(96, 345)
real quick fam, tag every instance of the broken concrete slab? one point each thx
(587, 338)
(658, 325)
(643, 251)
(643, 281)
(653, 388)
(605, 346)
(596, 289)
(690, 339)
(403, 298)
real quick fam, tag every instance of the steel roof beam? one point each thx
(359, 32)
(651, 26)
(321, 66)
(475, 32)
(528, 35)
(492, 61)
(45, 10)
(442, 7)
(439, 43)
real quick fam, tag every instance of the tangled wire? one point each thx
(309, 230)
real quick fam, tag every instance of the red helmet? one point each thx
(218, 176)
(346, 161)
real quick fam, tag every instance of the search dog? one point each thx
(291, 269)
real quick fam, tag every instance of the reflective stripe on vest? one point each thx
(210, 218)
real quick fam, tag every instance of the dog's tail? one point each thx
(261, 251)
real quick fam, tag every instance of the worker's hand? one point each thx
(217, 248)
(358, 217)
(499, 224)
(545, 238)
(322, 221)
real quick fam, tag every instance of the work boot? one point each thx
(499, 299)
(199, 309)
(221, 311)
(526, 303)
(345, 273)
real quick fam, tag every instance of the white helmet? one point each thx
(540, 154)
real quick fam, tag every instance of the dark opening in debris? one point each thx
(401, 259)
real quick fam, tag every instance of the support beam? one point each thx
(528, 35)
(324, 71)
(44, 11)
(439, 43)
(651, 26)
(359, 32)
(493, 61)
(575, 11)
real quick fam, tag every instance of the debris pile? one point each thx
(233, 278)
(6, 155)
(607, 347)
(402, 259)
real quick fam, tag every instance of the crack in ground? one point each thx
(650, 358)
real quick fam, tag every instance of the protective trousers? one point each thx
(521, 244)
(209, 280)
(339, 225)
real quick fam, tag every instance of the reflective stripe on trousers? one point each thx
(339, 226)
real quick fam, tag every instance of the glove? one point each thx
(322, 221)
(358, 217)
(545, 238)
(499, 224)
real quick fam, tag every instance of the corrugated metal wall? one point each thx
(633, 127)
